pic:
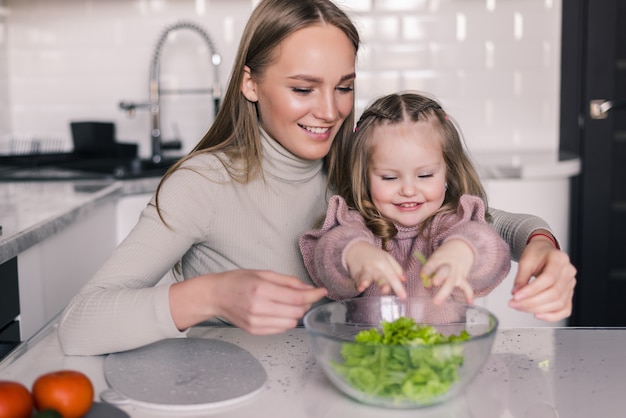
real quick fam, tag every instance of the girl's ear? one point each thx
(248, 86)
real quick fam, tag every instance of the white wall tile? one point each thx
(77, 59)
(66, 60)
(500, 78)
(5, 104)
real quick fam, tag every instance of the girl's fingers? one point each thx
(468, 291)
(447, 286)
(398, 288)
(361, 286)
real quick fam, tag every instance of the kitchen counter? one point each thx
(32, 211)
(525, 165)
(531, 373)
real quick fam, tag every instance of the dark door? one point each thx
(594, 71)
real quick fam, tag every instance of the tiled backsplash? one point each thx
(493, 63)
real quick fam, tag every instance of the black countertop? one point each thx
(70, 166)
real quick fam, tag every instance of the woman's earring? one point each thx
(446, 185)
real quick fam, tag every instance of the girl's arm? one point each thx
(324, 249)
(324, 258)
(468, 253)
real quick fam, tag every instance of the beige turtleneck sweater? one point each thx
(214, 224)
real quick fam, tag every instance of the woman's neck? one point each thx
(281, 163)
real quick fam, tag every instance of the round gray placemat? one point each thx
(185, 372)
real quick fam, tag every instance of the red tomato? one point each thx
(69, 392)
(15, 400)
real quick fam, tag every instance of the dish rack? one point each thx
(34, 145)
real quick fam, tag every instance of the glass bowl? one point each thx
(407, 375)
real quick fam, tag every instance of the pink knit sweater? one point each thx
(323, 249)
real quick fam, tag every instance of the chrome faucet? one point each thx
(155, 90)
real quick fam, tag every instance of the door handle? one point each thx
(598, 109)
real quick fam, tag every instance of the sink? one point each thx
(72, 167)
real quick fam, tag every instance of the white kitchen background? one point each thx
(494, 64)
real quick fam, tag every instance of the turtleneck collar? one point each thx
(280, 163)
(404, 232)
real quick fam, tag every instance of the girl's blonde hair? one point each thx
(351, 179)
(235, 132)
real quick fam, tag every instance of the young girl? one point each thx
(224, 225)
(413, 191)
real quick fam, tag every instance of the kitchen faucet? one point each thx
(155, 91)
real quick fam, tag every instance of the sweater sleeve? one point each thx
(124, 306)
(491, 254)
(323, 249)
(516, 228)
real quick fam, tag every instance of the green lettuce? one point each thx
(405, 361)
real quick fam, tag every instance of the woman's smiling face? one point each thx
(306, 93)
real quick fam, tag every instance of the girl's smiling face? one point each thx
(306, 93)
(407, 172)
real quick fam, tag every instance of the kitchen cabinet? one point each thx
(58, 234)
(9, 306)
(127, 211)
(53, 270)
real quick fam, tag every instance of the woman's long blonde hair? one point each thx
(235, 132)
(350, 179)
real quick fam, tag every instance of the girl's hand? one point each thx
(549, 295)
(368, 264)
(449, 267)
(259, 302)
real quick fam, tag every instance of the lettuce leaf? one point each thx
(404, 361)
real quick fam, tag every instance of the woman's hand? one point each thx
(259, 302)
(369, 264)
(449, 267)
(549, 295)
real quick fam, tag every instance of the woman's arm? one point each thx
(516, 229)
(260, 302)
(123, 306)
(127, 304)
(545, 279)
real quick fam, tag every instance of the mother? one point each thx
(219, 240)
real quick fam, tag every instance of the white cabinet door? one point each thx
(127, 213)
(52, 271)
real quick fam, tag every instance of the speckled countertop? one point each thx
(33, 211)
(531, 373)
